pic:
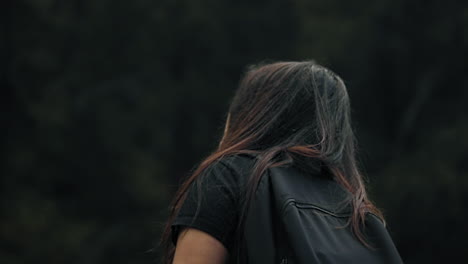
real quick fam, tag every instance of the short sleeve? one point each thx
(211, 205)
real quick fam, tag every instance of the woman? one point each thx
(293, 115)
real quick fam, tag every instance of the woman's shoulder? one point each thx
(238, 162)
(231, 170)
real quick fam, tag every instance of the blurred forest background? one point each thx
(106, 105)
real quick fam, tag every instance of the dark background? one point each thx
(106, 105)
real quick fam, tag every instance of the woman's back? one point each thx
(297, 216)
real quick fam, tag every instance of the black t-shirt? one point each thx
(220, 191)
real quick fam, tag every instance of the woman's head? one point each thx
(289, 104)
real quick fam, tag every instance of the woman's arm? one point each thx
(197, 247)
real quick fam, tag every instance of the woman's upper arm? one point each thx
(195, 246)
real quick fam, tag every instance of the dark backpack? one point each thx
(297, 218)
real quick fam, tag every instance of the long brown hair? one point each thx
(287, 112)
